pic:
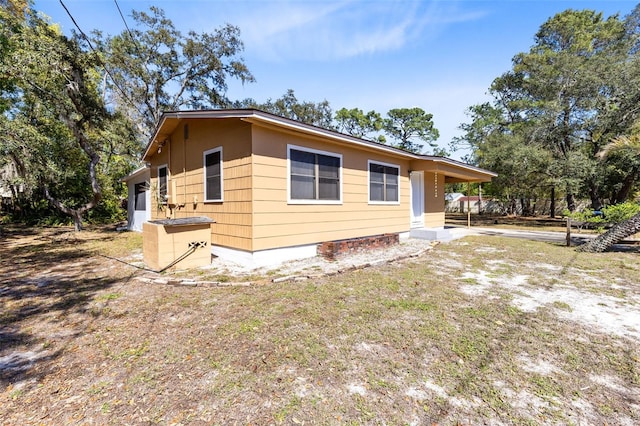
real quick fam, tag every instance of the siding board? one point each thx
(255, 213)
(278, 223)
(185, 159)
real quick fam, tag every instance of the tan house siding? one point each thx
(255, 212)
(278, 223)
(233, 216)
(433, 199)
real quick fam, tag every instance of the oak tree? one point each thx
(408, 127)
(153, 68)
(57, 125)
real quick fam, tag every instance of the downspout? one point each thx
(184, 165)
(170, 183)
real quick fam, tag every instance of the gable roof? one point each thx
(170, 120)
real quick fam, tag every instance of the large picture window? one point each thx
(314, 175)
(383, 183)
(163, 180)
(213, 175)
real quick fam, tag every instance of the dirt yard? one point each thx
(481, 330)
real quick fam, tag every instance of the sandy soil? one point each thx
(472, 331)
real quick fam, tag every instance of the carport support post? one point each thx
(469, 205)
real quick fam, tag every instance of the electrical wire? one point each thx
(186, 254)
(183, 256)
(101, 62)
(124, 21)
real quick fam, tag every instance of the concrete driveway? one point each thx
(546, 236)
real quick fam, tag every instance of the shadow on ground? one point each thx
(46, 276)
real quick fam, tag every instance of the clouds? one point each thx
(439, 55)
(334, 30)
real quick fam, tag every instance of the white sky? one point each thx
(440, 56)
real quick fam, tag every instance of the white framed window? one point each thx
(384, 184)
(212, 164)
(315, 177)
(163, 183)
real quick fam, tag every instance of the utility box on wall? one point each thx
(185, 242)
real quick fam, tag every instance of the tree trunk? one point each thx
(553, 202)
(77, 221)
(596, 201)
(571, 202)
(76, 121)
(525, 203)
(617, 233)
(76, 214)
(513, 208)
(627, 184)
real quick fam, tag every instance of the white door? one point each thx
(417, 199)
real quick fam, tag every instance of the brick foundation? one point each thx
(331, 250)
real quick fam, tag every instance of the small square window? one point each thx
(383, 183)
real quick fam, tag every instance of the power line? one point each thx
(133, 39)
(78, 27)
(104, 65)
(125, 23)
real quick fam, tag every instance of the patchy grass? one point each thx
(483, 330)
(536, 223)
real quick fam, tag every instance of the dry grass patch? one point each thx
(475, 331)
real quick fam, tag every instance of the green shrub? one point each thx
(620, 212)
(611, 215)
(108, 210)
(586, 216)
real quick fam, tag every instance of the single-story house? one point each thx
(460, 203)
(139, 198)
(276, 188)
(452, 201)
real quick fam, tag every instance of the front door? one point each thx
(417, 199)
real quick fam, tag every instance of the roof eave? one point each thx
(137, 172)
(257, 117)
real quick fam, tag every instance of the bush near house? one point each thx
(606, 217)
